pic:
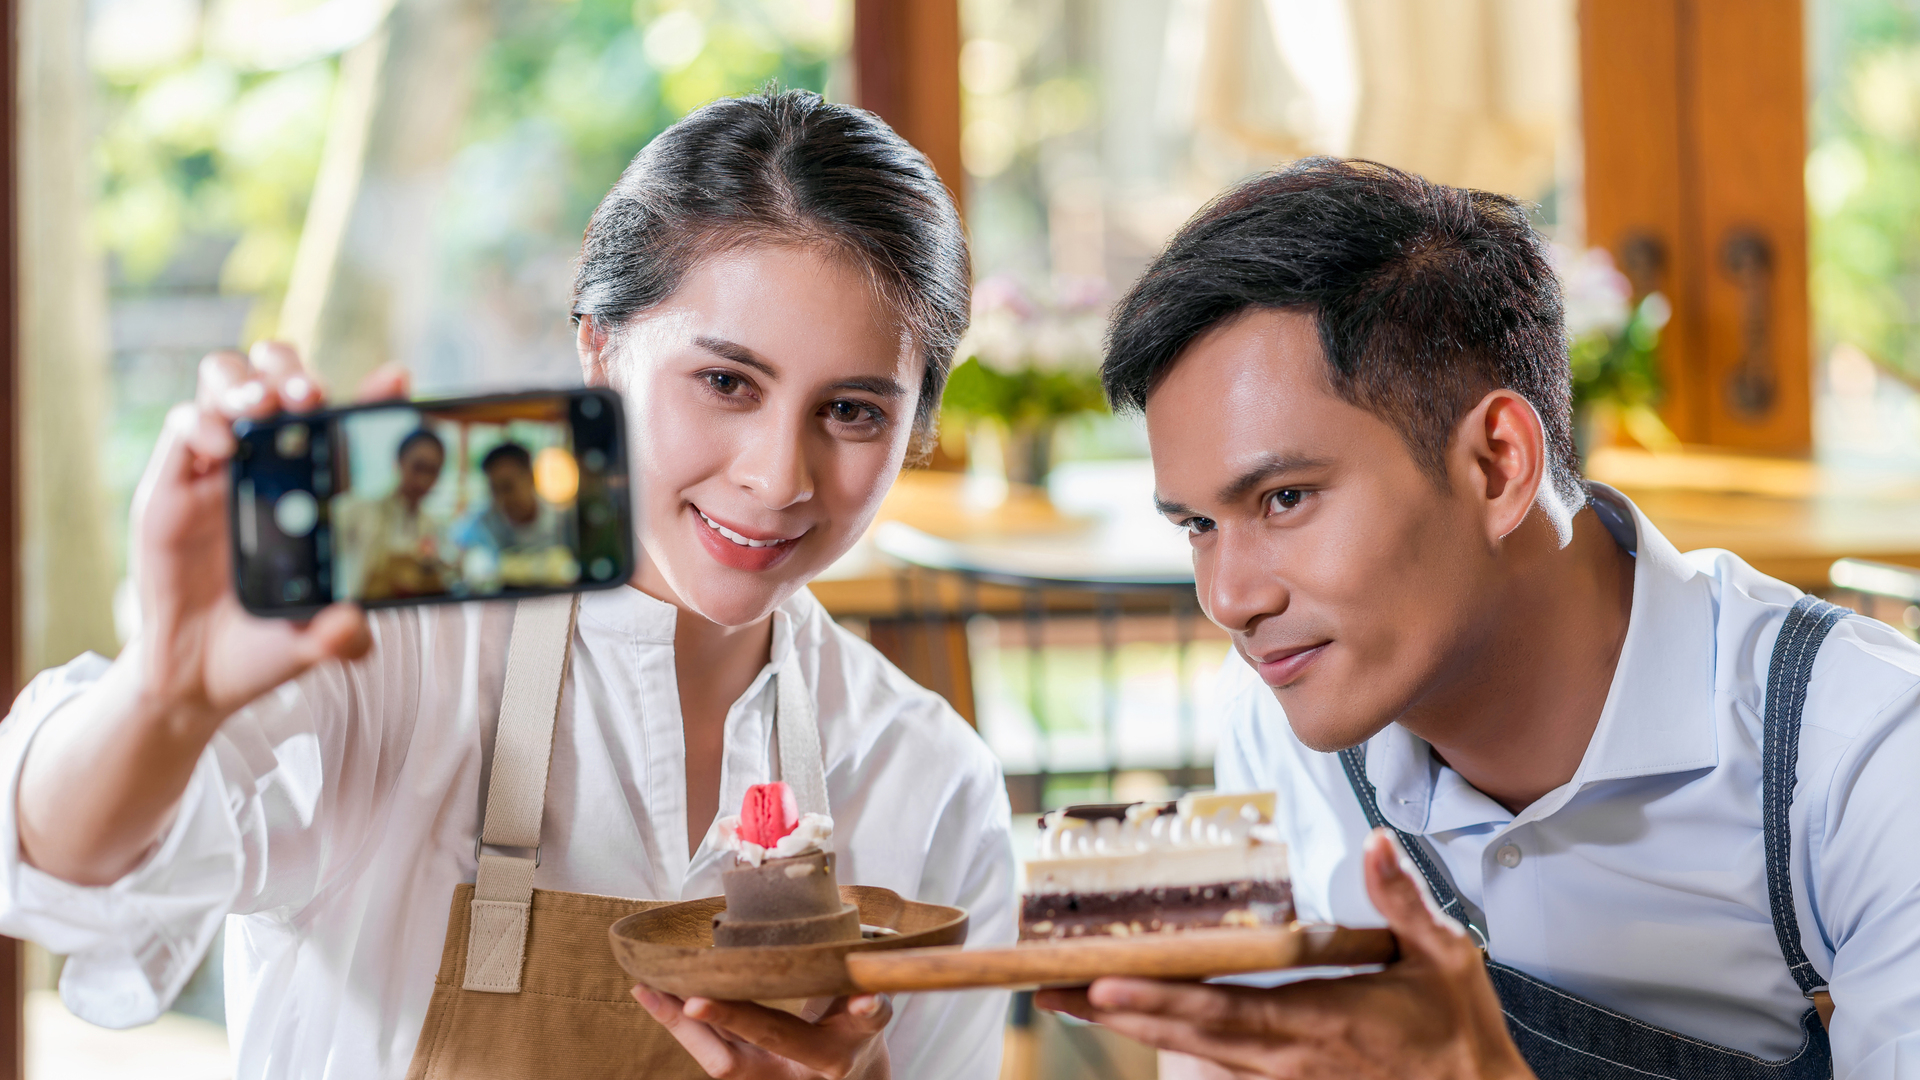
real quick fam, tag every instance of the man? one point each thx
(1356, 391)
(515, 518)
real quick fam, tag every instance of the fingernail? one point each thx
(299, 388)
(243, 397)
(647, 998)
(868, 1005)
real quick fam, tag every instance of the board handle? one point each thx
(1194, 954)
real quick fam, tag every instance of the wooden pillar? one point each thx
(12, 989)
(1694, 115)
(906, 62)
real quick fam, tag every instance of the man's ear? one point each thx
(1503, 447)
(590, 342)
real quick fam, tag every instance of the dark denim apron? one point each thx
(1564, 1037)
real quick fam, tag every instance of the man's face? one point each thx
(511, 485)
(1349, 580)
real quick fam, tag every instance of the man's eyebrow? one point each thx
(1268, 467)
(879, 386)
(1170, 509)
(736, 352)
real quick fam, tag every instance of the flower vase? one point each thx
(1028, 453)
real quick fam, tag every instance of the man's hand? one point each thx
(737, 1040)
(1431, 1015)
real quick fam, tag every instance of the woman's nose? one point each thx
(774, 468)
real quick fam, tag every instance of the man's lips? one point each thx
(738, 548)
(1281, 667)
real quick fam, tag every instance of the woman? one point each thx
(776, 285)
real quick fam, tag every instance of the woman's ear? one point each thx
(590, 342)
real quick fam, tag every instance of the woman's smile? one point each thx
(742, 549)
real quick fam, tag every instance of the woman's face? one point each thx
(770, 404)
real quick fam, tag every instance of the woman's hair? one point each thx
(784, 167)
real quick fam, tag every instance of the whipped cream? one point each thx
(1148, 831)
(811, 834)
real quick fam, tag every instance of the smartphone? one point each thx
(419, 502)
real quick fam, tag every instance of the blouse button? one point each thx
(1508, 856)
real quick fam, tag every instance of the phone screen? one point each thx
(418, 502)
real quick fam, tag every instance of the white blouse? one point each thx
(329, 821)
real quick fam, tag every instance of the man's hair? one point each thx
(1427, 297)
(507, 452)
(415, 438)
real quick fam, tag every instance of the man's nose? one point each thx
(1239, 581)
(773, 466)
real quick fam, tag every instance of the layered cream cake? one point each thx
(781, 888)
(1205, 861)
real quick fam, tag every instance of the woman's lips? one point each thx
(1283, 666)
(757, 553)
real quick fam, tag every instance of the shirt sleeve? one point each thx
(1865, 889)
(281, 801)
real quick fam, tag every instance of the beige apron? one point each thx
(528, 986)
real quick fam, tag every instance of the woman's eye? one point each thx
(723, 382)
(1285, 499)
(851, 412)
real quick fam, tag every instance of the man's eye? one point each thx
(1285, 499)
(1197, 525)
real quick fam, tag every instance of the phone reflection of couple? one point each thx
(395, 547)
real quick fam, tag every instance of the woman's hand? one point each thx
(1431, 1015)
(737, 1040)
(131, 741)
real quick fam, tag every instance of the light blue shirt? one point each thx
(1641, 883)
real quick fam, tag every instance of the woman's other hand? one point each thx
(196, 657)
(737, 1040)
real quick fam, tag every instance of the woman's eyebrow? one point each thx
(879, 386)
(736, 352)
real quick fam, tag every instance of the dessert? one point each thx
(1205, 861)
(780, 889)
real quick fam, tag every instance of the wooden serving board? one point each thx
(670, 947)
(1193, 954)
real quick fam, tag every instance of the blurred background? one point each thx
(1732, 188)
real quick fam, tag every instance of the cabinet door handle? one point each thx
(1747, 257)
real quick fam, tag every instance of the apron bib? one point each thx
(528, 986)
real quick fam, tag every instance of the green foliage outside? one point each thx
(1862, 178)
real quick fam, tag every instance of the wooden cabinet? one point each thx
(1694, 116)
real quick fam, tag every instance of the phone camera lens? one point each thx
(295, 513)
(291, 441)
(594, 460)
(590, 408)
(296, 589)
(600, 569)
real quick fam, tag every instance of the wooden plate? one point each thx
(670, 948)
(1194, 954)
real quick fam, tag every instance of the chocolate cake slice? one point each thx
(781, 888)
(1207, 861)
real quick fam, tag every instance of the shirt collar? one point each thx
(1658, 716)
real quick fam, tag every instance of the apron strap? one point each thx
(537, 657)
(797, 740)
(1788, 675)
